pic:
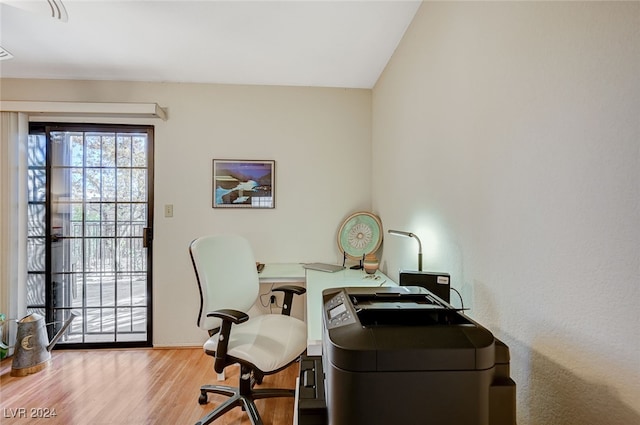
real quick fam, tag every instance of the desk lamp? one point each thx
(411, 235)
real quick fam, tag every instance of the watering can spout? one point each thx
(64, 327)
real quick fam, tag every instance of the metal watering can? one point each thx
(32, 352)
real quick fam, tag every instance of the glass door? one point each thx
(98, 236)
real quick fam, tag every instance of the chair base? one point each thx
(239, 397)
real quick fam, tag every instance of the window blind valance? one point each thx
(75, 109)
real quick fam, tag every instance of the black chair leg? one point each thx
(233, 402)
(237, 400)
(271, 393)
(252, 411)
(217, 389)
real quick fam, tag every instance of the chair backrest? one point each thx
(226, 273)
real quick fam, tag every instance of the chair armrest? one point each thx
(289, 291)
(298, 290)
(228, 317)
(233, 316)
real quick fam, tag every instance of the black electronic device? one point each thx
(402, 355)
(312, 406)
(436, 283)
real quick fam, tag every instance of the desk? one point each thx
(282, 273)
(317, 282)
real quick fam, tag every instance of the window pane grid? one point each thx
(36, 227)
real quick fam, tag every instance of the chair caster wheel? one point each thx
(203, 399)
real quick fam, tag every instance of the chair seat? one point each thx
(269, 342)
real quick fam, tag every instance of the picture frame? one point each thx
(243, 183)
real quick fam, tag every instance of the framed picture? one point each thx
(243, 183)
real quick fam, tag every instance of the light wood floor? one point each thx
(130, 387)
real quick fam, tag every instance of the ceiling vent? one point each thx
(58, 10)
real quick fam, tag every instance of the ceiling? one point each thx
(297, 42)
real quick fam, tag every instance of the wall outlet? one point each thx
(168, 210)
(272, 300)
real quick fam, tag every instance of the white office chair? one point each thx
(262, 344)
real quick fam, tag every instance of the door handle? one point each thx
(74, 282)
(147, 237)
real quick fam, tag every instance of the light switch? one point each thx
(168, 210)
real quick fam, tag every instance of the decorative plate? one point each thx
(359, 235)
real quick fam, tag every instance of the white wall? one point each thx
(320, 139)
(507, 136)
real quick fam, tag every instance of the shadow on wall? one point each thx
(554, 395)
(547, 392)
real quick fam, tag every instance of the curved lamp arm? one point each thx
(411, 235)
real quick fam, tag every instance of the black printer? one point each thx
(402, 355)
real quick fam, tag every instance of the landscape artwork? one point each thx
(243, 184)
